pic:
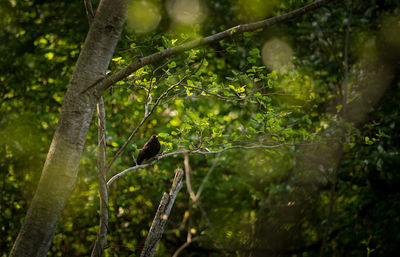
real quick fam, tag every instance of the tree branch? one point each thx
(101, 163)
(198, 194)
(200, 190)
(186, 244)
(203, 150)
(161, 217)
(187, 176)
(89, 11)
(109, 80)
(148, 95)
(194, 199)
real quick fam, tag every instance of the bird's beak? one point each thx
(157, 136)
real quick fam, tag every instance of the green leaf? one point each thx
(116, 59)
(172, 65)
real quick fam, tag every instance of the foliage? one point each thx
(260, 201)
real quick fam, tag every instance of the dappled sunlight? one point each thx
(373, 71)
(296, 89)
(143, 16)
(21, 138)
(277, 55)
(187, 12)
(184, 32)
(368, 89)
(298, 86)
(391, 30)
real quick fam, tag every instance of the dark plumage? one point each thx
(150, 149)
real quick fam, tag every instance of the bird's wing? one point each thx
(140, 157)
(142, 153)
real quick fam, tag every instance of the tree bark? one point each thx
(59, 173)
(161, 217)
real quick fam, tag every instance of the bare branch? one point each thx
(105, 83)
(148, 101)
(203, 150)
(187, 176)
(89, 11)
(194, 199)
(101, 163)
(186, 244)
(149, 98)
(206, 177)
(161, 217)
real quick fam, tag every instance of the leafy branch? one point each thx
(149, 113)
(105, 83)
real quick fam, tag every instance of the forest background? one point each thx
(290, 129)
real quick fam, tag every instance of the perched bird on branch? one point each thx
(149, 150)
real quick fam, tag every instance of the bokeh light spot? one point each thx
(187, 12)
(254, 10)
(143, 16)
(277, 55)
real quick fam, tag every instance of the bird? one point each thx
(149, 150)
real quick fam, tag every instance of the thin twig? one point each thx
(187, 176)
(102, 180)
(187, 215)
(205, 179)
(193, 200)
(186, 244)
(148, 96)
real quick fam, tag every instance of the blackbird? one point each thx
(150, 149)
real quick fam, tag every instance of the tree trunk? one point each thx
(60, 169)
